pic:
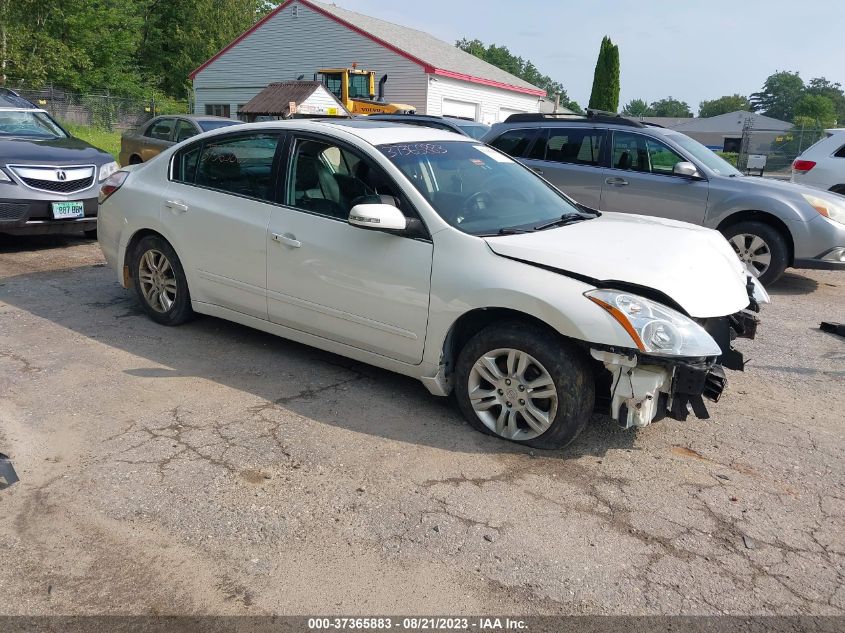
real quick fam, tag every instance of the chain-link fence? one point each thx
(771, 152)
(98, 109)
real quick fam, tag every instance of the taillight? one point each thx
(803, 166)
(112, 184)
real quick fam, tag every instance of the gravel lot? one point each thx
(215, 469)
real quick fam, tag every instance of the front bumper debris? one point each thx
(645, 389)
(8, 476)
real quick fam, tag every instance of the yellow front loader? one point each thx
(356, 90)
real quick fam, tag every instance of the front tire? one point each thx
(524, 383)
(160, 282)
(761, 247)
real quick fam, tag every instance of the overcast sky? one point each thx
(689, 49)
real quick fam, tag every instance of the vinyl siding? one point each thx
(285, 47)
(490, 100)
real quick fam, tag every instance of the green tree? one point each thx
(605, 92)
(670, 107)
(636, 107)
(833, 91)
(817, 109)
(179, 35)
(723, 105)
(501, 57)
(779, 95)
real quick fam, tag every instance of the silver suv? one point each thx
(616, 164)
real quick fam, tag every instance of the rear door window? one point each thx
(570, 145)
(242, 165)
(515, 142)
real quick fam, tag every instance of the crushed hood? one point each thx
(693, 265)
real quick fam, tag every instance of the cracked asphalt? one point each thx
(213, 469)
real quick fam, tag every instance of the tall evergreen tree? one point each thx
(605, 93)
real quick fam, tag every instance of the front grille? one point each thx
(60, 179)
(12, 211)
(59, 186)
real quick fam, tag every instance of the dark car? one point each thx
(155, 136)
(473, 129)
(49, 180)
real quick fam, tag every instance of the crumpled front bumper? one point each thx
(646, 388)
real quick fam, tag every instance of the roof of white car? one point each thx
(372, 132)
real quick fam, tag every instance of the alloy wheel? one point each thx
(512, 394)
(158, 280)
(753, 251)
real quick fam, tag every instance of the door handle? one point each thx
(287, 241)
(616, 182)
(176, 206)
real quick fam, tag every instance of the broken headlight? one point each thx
(655, 328)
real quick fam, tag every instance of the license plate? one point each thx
(65, 210)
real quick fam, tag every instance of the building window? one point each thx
(217, 109)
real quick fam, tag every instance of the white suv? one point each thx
(433, 255)
(822, 165)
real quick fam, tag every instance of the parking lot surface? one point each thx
(211, 468)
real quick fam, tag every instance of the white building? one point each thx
(301, 36)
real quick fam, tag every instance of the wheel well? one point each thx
(135, 160)
(472, 322)
(133, 242)
(765, 218)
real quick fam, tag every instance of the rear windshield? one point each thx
(34, 124)
(207, 126)
(475, 130)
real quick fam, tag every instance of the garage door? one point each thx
(460, 109)
(504, 113)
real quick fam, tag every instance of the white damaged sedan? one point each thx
(435, 256)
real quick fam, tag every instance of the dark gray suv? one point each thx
(616, 164)
(49, 180)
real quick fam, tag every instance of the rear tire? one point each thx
(160, 282)
(524, 383)
(756, 244)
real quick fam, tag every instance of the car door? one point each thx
(571, 159)
(640, 179)
(217, 209)
(364, 288)
(158, 136)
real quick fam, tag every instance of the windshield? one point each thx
(708, 157)
(479, 190)
(475, 130)
(35, 124)
(359, 86)
(207, 126)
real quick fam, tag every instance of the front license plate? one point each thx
(65, 210)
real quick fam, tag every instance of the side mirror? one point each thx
(377, 217)
(686, 169)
